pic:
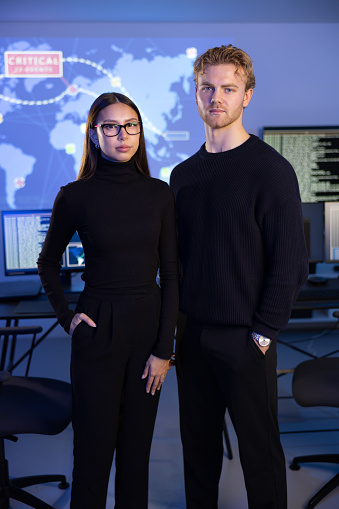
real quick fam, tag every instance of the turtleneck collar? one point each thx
(122, 173)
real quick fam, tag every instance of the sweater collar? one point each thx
(234, 151)
(116, 171)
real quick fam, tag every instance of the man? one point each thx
(244, 259)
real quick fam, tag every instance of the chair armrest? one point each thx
(5, 376)
(30, 329)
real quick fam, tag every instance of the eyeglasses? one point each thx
(111, 130)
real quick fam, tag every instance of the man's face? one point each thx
(221, 97)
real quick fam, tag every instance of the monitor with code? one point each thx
(24, 232)
(314, 155)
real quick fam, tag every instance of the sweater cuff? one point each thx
(66, 323)
(162, 351)
(261, 329)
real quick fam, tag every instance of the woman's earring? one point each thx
(97, 146)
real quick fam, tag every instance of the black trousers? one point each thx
(111, 410)
(221, 367)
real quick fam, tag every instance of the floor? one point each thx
(39, 454)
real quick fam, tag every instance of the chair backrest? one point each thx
(13, 332)
(33, 405)
(316, 382)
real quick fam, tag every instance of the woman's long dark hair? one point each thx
(90, 153)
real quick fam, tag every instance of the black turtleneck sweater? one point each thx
(126, 223)
(241, 237)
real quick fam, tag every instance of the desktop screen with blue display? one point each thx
(47, 86)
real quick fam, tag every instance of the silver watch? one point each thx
(261, 340)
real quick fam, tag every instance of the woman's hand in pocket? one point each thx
(80, 317)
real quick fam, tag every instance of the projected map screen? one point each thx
(48, 85)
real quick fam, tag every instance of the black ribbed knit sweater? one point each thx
(241, 238)
(126, 223)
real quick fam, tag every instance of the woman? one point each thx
(122, 329)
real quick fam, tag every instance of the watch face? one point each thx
(264, 341)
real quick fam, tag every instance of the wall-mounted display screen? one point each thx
(47, 86)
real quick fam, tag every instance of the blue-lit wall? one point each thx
(294, 46)
(188, 11)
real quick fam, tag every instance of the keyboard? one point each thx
(14, 290)
(30, 307)
(327, 292)
(39, 306)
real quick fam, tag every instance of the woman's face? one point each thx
(120, 148)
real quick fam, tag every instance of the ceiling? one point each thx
(165, 11)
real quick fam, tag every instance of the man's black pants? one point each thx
(221, 367)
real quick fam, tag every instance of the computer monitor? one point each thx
(313, 214)
(24, 232)
(332, 232)
(314, 155)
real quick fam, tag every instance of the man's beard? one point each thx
(221, 121)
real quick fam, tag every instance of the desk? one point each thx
(314, 298)
(31, 309)
(318, 296)
(39, 308)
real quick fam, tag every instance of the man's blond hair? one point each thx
(226, 55)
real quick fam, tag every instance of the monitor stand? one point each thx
(71, 282)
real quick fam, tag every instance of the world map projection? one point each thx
(47, 86)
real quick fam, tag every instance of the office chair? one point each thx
(13, 332)
(316, 383)
(30, 405)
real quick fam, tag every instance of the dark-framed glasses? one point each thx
(109, 129)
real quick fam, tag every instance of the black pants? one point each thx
(219, 367)
(111, 410)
